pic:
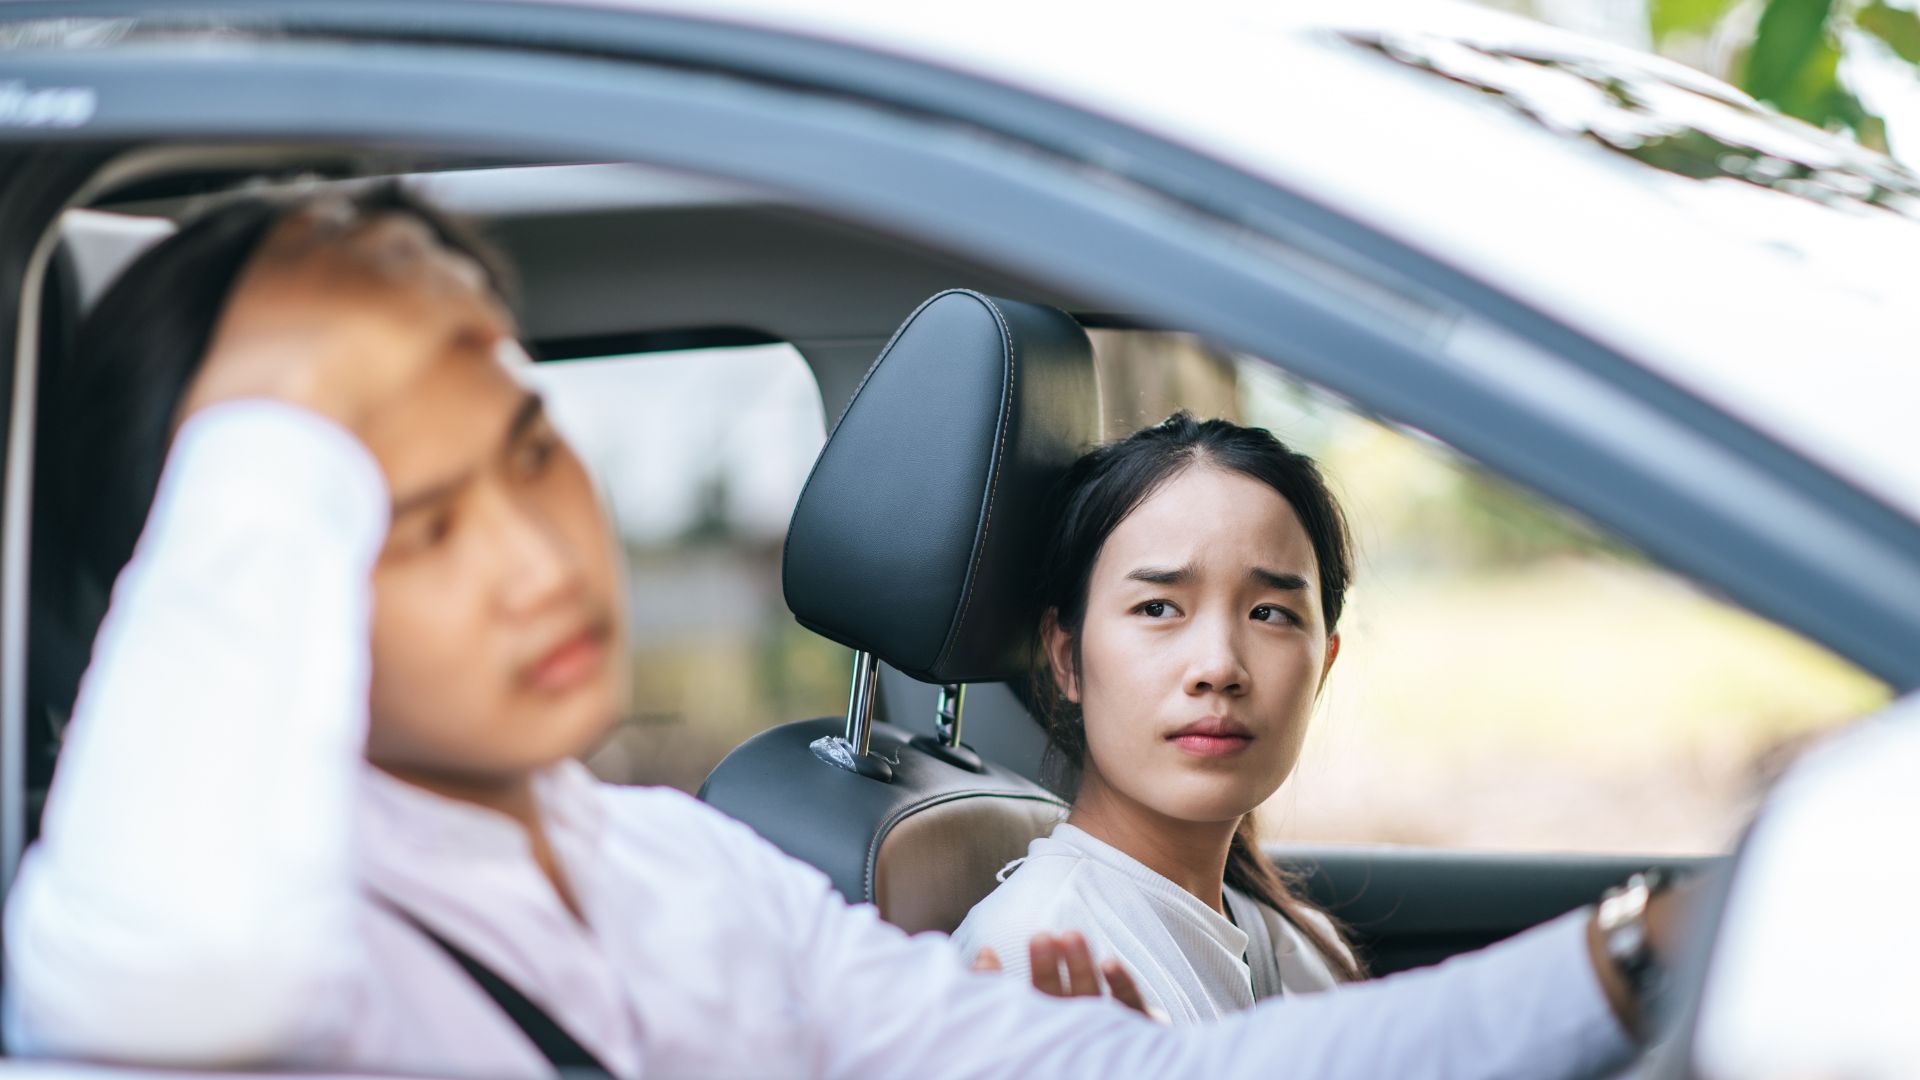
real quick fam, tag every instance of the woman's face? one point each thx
(1202, 650)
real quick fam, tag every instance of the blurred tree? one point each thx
(1504, 525)
(712, 519)
(1788, 52)
(1145, 376)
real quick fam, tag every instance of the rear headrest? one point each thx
(919, 532)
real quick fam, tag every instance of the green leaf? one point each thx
(1791, 39)
(1845, 106)
(1669, 17)
(1815, 94)
(1872, 133)
(1899, 29)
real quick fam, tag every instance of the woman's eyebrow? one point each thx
(1156, 576)
(1282, 582)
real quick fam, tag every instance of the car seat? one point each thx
(915, 542)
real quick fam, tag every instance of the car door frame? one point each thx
(1009, 180)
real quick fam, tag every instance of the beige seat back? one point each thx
(935, 864)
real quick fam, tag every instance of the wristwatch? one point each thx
(1622, 920)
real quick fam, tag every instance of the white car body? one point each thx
(1790, 310)
(1794, 315)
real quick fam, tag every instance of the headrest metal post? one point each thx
(866, 686)
(853, 751)
(953, 698)
(944, 743)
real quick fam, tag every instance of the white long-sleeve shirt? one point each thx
(1192, 963)
(200, 892)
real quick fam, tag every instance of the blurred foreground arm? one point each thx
(192, 886)
(1530, 1007)
(192, 900)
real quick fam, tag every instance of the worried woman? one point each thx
(1190, 606)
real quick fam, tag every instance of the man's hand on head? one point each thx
(339, 312)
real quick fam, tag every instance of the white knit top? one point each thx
(1192, 964)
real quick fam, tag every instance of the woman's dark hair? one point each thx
(107, 408)
(1098, 492)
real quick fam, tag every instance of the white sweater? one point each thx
(1192, 963)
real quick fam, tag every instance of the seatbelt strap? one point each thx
(560, 1049)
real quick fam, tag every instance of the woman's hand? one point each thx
(1063, 966)
(340, 313)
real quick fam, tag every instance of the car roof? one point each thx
(1774, 285)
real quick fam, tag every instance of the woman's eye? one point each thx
(1273, 613)
(1154, 609)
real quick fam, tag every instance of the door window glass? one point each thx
(701, 454)
(1509, 676)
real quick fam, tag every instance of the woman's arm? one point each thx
(190, 900)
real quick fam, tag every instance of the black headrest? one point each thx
(919, 531)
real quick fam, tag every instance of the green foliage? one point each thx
(1509, 526)
(1899, 29)
(1670, 18)
(1790, 52)
(802, 673)
(711, 521)
(1793, 59)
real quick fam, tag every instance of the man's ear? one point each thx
(1333, 653)
(1059, 646)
